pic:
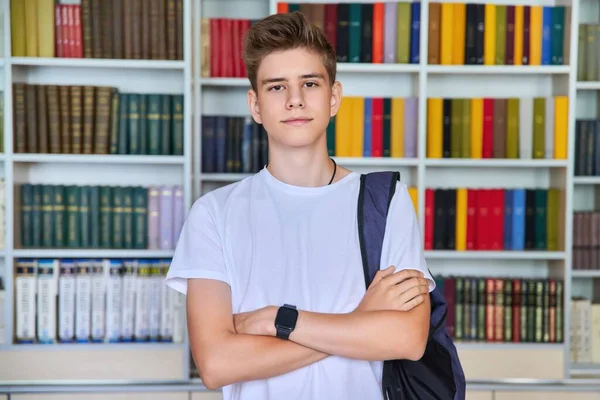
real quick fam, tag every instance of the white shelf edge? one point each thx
(496, 163)
(377, 68)
(586, 180)
(377, 161)
(225, 82)
(585, 370)
(91, 253)
(506, 345)
(91, 346)
(496, 255)
(592, 85)
(97, 158)
(97, 63)
(498, 69)
(578, 273)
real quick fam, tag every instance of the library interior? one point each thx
(484, 107)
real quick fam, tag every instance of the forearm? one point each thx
(369, 335)
(240, 357)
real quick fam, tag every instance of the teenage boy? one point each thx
(276, 301)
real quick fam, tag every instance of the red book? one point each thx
(66, 31)
(516, 311)
(472, 219)
(378, 28)
(225, 47)
(58, 38)
(429, 218)
(377, 127)
(483, 220)
(244, 27)
(236, 45)
(215, 61)
(282, 8)
(331, 23)
(77, 46)
(496, 227)
(490, 301)
(488, 129)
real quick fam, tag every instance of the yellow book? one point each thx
(561, 126)
(31, 28)
(518, 35)
(397, 134)
(358, 125)
(489, 40)
(435, 137)
(446, 41)
(476, 128)
(46, 28)
(535, 36)
(458, 33)
(461, 219)
(18, 31)
(343, 127)
(414, 196)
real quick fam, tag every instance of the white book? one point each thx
(66, 298)
(179, 320)
(114, 298)
(526, 128)
(156, 281)
(166, 306)
(549, 132)
(2, 305)
(595, 333)
(98, 302)
(47, 292)
(142, 302)
(129, 299)
(25, 292)
(83, 301)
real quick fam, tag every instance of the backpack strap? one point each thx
(374, 198)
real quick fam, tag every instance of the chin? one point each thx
(297, 137)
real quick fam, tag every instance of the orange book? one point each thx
(535, 38)
(378, 24)
(446, 42)
(459, 13)
(561, 126)
(282, 8)
(435, 116)
(519, 21)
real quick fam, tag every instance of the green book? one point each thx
(557, 35)
(106, 217)
(73, 216)
(140, 218)
(541, 201)
(117, 217)
(539, 127)
(60, 216)
(355, 33)
(177, 124)
(500, 34)
(154, 124)
(122, 145)
(387, 126)
(48, 216)
(115, 120)
(85, 222)
(165, 118)
(94, 192)
(36, 216)
(143, 125)
(403, 20)
(465, 136)
(133, 122)
(512, 128)
(127, 193)
(552, 219)
(26, 215)
(456, 127)
(331, 137)
(459, 305)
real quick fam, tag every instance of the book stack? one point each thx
(526, 128)
(494, 219)
(133, 30)
(498, 34)
(70, 119)
(114, 217)
(587, 147)
(374, 127)
(586, 239)
(504, 309)
(221, 41)
(95, 301)
(382, 32)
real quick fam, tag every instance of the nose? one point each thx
(295, 99)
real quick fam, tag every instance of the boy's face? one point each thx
(294, 99)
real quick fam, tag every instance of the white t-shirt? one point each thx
(275, 243)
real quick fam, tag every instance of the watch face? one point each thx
(286, 317)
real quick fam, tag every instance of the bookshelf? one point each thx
(210, 96)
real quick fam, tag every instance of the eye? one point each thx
(276, 88)
(311, 84)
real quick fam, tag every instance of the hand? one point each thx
(257, 322)
(401, 291)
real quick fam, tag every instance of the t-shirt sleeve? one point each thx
(402, 242)
(198, 253)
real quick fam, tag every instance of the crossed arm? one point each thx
(392, 321)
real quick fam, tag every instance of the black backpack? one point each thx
(438, 375)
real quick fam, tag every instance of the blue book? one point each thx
(221, 144)
(415, 28)
(546, 35)
(367, 127)
(518, 219)
(508, 197)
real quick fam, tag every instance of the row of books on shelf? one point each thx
(586, 239)
(588, 64)
(70, 119)
(494, 219)
(504, 309)
(585, 327)
(233, 144)
(95, 301)
(587, 147)
(384, 32)
(150, 30)
(525, 128)
(115, 217)
(498, 34)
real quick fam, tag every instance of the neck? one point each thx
(308, 167)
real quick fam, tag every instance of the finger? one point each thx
(382, 273)
(402, 275)
(411, 283)
(412, 292)
(414, 302)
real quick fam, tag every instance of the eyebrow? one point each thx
(305, 76)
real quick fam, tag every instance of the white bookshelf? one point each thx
(210, 95)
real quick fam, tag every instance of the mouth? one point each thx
(297, 120)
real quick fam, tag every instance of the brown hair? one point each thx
(285, 32)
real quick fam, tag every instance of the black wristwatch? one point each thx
(285, 322)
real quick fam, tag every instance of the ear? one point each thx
(253, 106)
(336, 98)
